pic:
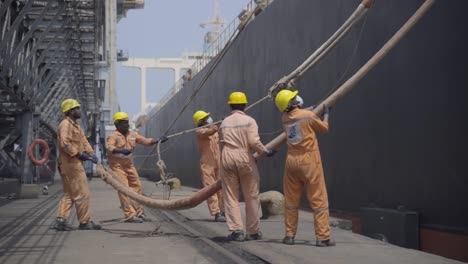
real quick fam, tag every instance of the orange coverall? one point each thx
(123, 166)
(304, 167)
(71, 142)
(239, 133)
(208, 144)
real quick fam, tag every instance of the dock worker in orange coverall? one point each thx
(120, 146)
(239, 138)
(208, 144)
(74, 148)
(303, 167)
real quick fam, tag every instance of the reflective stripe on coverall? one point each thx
(304, 167)
(208, 144)
(123, 166)
(71, 142)
(239, 133)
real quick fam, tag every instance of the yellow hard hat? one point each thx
(237, 98)
(283, 98)
(69, 104)
(120, 116)
(199, 115)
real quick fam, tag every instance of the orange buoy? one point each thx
(44, 158)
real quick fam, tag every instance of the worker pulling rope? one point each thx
(205, 193)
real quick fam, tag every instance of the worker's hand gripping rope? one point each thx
(85, 156)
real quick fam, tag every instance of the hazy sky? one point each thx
(164, 28)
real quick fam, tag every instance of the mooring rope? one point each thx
(283, 83)
(202, 82)
(208, 74)
(345, 88)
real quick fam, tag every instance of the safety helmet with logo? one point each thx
(199, 115)
(120, 116)
(237, 98)
(283, 98)
(69, 104)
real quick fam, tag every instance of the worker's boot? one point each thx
(89, 226)
(256, 236)
(145, 218)
(288, 240)
(237, 235)
(325, 243)
(62, 225)
(219, 217)
(134, 219)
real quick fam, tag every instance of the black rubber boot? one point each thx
(89, 226)
(257, 236)
(237, 235)
(325, 243)
(219, 217)
(62, 225)
(134, 219)
(145, 218)
(288, 240)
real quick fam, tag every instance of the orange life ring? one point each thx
(45, 157)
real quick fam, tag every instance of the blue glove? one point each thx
(126, 152)
(271, 152)
(84, 156)
(94, 159)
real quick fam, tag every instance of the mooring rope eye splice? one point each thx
(289, 82)
(162, 170)
(281, 84)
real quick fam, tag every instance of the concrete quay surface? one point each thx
(188, 236)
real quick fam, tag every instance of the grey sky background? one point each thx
(164, 28)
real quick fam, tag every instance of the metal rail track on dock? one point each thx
(217, 248)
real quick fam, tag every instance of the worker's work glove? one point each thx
(84, 156)
(94, 159)
(270, 152)
(126, 152)
(163, 139)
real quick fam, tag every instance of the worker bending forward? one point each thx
(303, 167)
(208, 144)
(120, 146)
(74, 148)
(239, 133)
